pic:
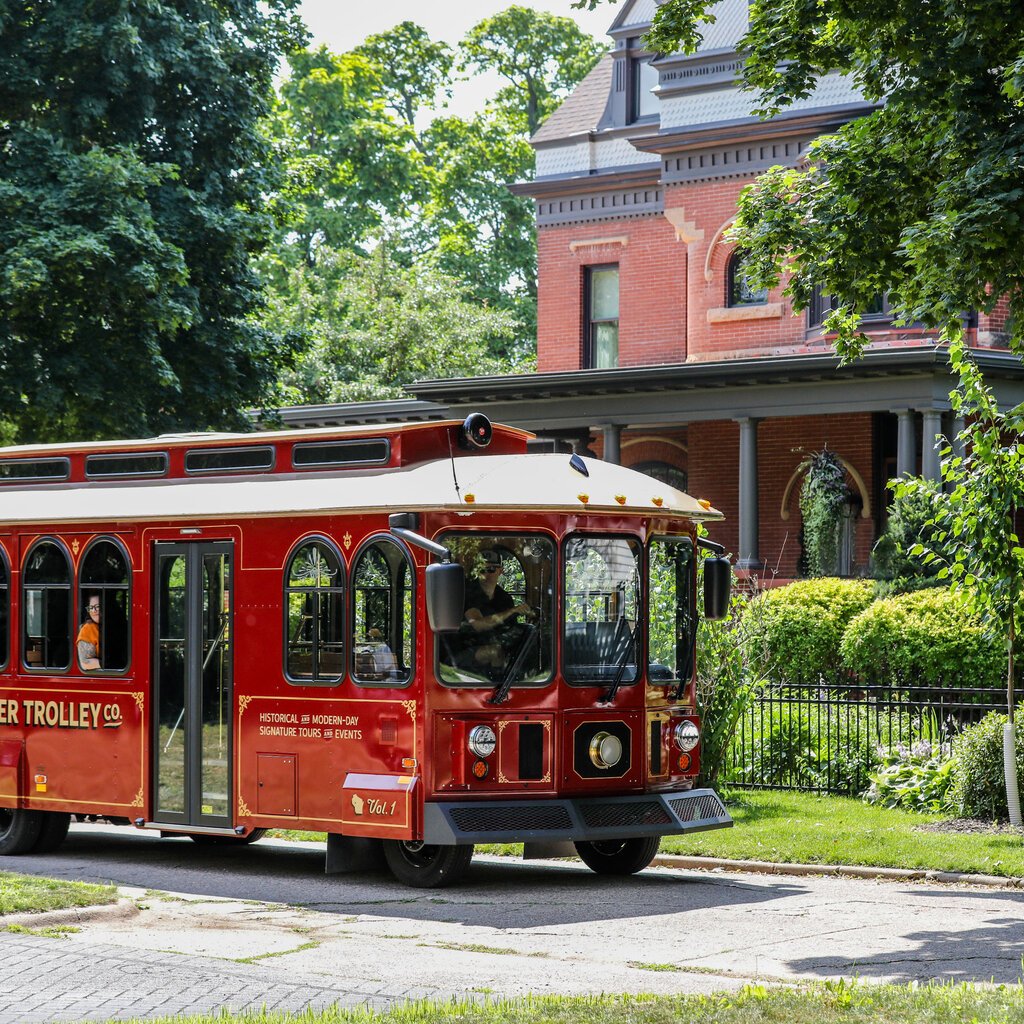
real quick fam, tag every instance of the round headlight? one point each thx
(605, 750)
(482, 740)
(687, 735)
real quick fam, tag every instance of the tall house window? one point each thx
(643, 79)
(602, 341)
(741, 293)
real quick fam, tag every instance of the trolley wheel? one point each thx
(619, 856)
(204, 839)
(19, 830)
(53, 832)
(424, 866)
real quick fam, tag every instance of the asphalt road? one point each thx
(263, 925)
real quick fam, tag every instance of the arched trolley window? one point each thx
(314, 614)
(382, 615)
(5, 609)
(46, 607)
(104, 608)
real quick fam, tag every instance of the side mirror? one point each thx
(717, 587)
(446, 596)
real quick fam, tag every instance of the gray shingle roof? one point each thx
(583, 108)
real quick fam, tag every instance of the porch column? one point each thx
(748, 552)
(612, 436)
(931, 428)
(956, 428)
(906, 453)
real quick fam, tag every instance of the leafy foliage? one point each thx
(365, 161)
(792, 633)
(375, 325)
(928, 637)
(914, 778)
(725, 688)
(823, 497)
(542, 56)
(909, 524)
(132, 185)
(978, 785)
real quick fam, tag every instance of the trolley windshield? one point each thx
(507, 634)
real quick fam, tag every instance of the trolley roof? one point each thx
(482, 482)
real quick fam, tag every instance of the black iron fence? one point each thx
(828, 738)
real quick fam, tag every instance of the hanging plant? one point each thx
(823, 500)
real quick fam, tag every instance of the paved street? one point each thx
(263, 925)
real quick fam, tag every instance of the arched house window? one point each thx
(382, 615)
(739, 291)
(46, 607)
(104, 607)
(314, 614)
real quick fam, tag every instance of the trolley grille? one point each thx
(689, 809)
(509, 819)
(619, 815)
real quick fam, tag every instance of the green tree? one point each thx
(414, 70)
(542, 56)
(375, 324)
(132, 185)
(353, 166)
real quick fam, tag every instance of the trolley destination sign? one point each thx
(414, 638)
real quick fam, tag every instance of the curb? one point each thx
(837, 870)
(72, 915)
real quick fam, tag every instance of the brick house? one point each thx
(652, 350)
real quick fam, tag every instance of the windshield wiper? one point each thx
(620, 667)
(523, 651)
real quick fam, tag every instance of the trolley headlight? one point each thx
(482, 740)
(687, 735)
(605, 750)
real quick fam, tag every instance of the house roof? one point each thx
(582, 110)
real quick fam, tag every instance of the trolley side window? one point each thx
(601, 642)
(5, 608)
(46, 604)
(671, 609)
(314, 615)
(507, 635)
(104, 609)
(382, 609)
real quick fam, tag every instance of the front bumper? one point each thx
(590, 818)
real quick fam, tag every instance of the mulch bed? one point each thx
(971, 826)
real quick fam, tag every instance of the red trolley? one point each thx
(413, 638)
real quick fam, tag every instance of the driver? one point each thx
(489, 606)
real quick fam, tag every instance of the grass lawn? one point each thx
(20, 894)
(830, 1003)
(809, 829)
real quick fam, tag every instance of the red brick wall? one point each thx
(652, 291)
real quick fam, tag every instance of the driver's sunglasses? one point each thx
(492, 568)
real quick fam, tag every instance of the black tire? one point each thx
(19, 830)
(204, 839)
(423, 866)
(53, 832)
(619, 856)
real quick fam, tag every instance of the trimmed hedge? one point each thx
(927, 637)
(978, 785)
(792, 633)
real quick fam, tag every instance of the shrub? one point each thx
(927, 638)
(804, 745)
(792, 633)
(915, 778)
(978, 785)
(909, 523)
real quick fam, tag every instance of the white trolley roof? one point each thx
(485, 482)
